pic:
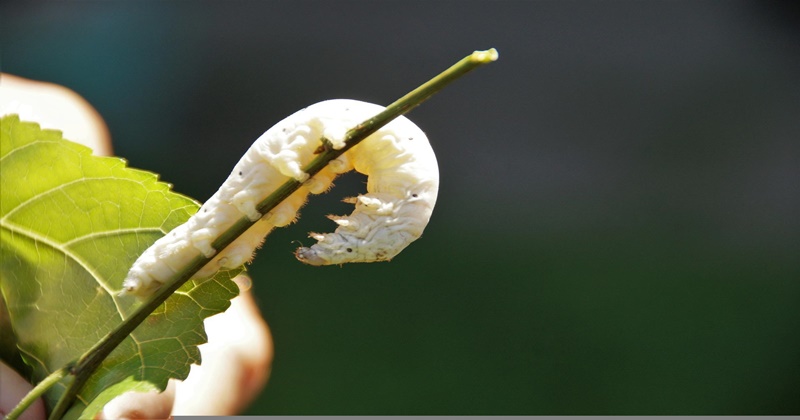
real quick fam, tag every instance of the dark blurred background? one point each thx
(618, 226)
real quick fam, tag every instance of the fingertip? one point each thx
(14, 387)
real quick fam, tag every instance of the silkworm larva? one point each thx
(402, 185)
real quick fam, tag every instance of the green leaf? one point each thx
(71, 224)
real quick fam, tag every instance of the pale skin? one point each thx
(238, 355)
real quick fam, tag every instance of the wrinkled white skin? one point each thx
(402, 185)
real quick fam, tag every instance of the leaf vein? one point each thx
(115, 232)
(37, 238)
(25, 146)
(59, 188)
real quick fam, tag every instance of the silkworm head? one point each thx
(308, 256)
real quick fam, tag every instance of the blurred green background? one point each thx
(618, 226)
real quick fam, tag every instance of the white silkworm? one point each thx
(402, 185)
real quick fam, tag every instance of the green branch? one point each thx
(85, 366)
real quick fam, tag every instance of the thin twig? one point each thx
(91, 360)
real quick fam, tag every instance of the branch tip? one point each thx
(485, 56)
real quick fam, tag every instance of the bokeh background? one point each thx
(618, 226)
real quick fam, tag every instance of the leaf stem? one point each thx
(38, 391)
(88, 363)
